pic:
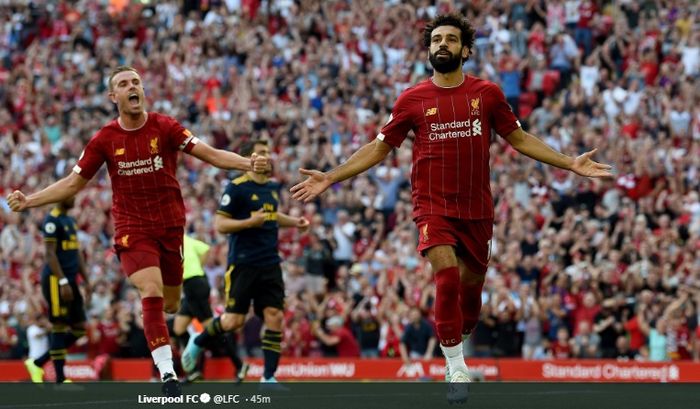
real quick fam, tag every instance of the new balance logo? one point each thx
(158, 163)
(476, 127)
(119, 151)
(413, 370)
(430, 111)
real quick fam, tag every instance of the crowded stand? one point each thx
(580, 268)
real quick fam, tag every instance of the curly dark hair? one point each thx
(454, 20)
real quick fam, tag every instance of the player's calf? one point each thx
(158, 340)
(231, 321)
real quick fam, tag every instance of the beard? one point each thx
(445, 65)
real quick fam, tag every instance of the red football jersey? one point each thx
(142, 162)
(450, 175)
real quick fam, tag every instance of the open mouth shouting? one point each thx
(134, 99)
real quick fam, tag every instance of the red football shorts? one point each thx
(162, 249)
(471, 238)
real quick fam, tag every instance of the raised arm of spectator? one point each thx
(428, 291)
(355, 313)
(675, 305)
(660, 203)
(533, 147)
(382, 283)
(641, 320)
(54, 193)
(602, 325)
(537, 8)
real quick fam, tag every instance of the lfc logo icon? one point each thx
(475, 106)
(154, 145)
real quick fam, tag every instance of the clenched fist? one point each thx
(260, 164)
(17, 201)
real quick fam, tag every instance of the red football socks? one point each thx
(448, 315)
(470, 301)
(154, 322)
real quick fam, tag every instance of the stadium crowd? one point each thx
(579, 269)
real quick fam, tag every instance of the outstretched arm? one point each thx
(228, 160)
(54, 193)
(533, 147)
(317, 182)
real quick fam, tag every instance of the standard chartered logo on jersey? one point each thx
(454, 129)
(140, 166)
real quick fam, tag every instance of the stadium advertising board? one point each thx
(393, 369)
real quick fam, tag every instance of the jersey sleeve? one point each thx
(179, 137)
(227, 204)
(51, 229)
(503, 119)
(396, 129)
(91, 159)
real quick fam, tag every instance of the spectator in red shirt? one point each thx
(346, 345)
(108, 334)
(390, 336)
(561, 348)
(636, 337)
(586, 312)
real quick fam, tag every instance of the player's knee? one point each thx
(150, 289)
(231, 322)
(441, 257)
(273, 317)
(470, 278)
